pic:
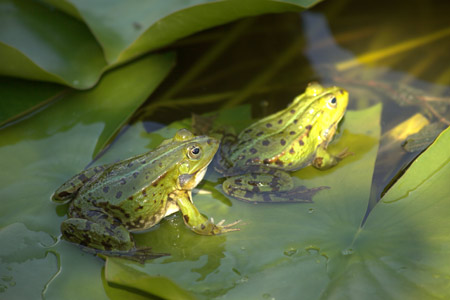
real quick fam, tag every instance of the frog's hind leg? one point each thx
(69, 189)
(103, 235)
(273, 187)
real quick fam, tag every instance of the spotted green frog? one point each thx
(110, 201)
(257, 160)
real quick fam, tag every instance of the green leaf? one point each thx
(44, 44)
(20, 97)
(321, 250)
(123, 275)
(40, 153)
(279, 246)
(128, 29)
(25, 251)
(64, 50)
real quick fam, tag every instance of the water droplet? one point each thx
(348, 251)
(243, 248)
(310, 211)
(290, 251)
(312, 250)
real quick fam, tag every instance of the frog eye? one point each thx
(194, 152)
(332, 102)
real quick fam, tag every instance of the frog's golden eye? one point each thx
(332, 102)
(194, 152)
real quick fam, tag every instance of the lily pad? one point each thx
(78, 42)
(128, 29)
(325, 249)
(40, 153)
(44, 44)
(21, 97)
(279, 246)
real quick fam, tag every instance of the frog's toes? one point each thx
(344, 153)
(227, 228)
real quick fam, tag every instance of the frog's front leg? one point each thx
(100, 231)
(194, 219)
(274, 186)
(324, 160)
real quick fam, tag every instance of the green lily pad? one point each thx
(128, 29)
(76, 44)
(322, 250)
(279, 246)
(25, 250)
(44, 44)
(21, 97)
(40, 153)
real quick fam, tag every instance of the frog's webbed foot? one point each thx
(225, 228)
(140, 255)
(344, 153)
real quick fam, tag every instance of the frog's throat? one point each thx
(190, 181)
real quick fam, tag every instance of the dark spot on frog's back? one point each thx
(135, 174)
(260, 133)
(83, 178)
(106, 189)
(292, 151)
(209, 141)
(265, 143)
(268, 125)
(282, 142)
(279, 163)
(122, 181)
(292, 111)
(118, 194)
(253, 151)
(292, 132)
(248, 130)
(280, 121)
(301, 142)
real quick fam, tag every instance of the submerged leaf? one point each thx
(122, 275)
(422, 139)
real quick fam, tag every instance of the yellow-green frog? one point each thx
(110, 201)
(256, 160)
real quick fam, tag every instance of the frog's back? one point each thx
(279, 138)
(121, 181)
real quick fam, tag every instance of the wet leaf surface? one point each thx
(42, 152)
